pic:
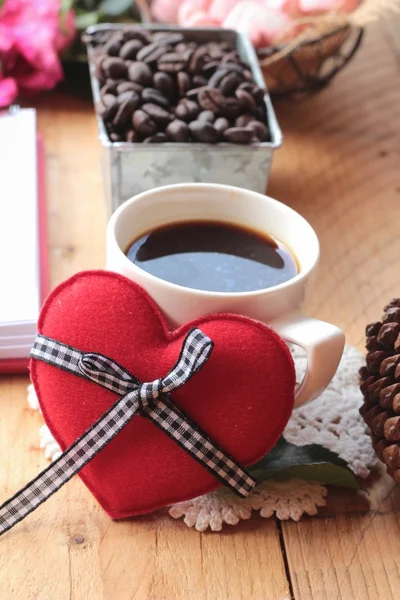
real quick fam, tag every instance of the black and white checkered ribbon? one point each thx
(151, 400)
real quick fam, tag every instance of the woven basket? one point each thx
(325, 45)
(309, 65)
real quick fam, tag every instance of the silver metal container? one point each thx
(129, 169)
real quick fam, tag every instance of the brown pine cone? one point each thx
(380, 386)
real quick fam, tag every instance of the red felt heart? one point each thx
(242, 397)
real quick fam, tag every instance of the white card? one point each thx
(19, 234)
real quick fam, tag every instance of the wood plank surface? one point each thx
(339, 167)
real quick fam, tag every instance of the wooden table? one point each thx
(339, 167)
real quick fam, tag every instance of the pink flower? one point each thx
(165, 11)
(200, 18)
(315, 7)
(8, 91)
(32, 33)
(220, 9)
(191, 7)
(290, 7)
(262, 24)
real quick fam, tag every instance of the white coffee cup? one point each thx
(277, 306)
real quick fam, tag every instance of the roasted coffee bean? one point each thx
(125, 112)
(210, 67)
(211, 99)
(170, 39)
(143, 124)
(151, 53)
(214, 100)
(100, 60)
(233, 68)
(136, 34)
(178, 131)
(199, 81)
(221, 124)
(114, 67)
(198, 60)
(172, 83)
(215, 51)
(110, 128)
(132, 136)
(156, 97)
(187, 110)
(244, 120)
(115, 137)
(193, 93)
(259, 130)
(107, 112)
(221, 74)
(129, 86)
(171, 62)
(157, 113)
(184, 82)
(158, 138)
(108, 106)
(256, 92)
(203, 132)
(181, 48)
(260, 113)
(206, 116)
(110, 87)
(216, 79)
(165, 84)
(246, 85)
(230, 83)
(247, 101)
(238, 135)
(129, 95)
(231, 57)
(97, 39)
(230, 109)
(113, 46)
(185, 53)
(130, 49)
(140, 73)
(225, 46)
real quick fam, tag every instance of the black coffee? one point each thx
(213, 256)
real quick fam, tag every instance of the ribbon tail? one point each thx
(174, 422)
(82, 451)
(195, 352)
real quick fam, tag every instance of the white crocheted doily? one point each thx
(332, 420)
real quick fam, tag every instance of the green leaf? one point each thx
(88, 5)
(312, 463)
(66, 5)
(114, 8)
(85, 20)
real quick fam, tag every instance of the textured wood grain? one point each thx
(68, 549)
(339, 167)
(346, 181)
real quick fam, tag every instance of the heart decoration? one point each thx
(242, 397)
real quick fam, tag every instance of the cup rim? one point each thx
(167, 285)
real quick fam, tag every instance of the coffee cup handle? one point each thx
(323, 344)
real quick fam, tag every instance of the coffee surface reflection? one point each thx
(213, 256)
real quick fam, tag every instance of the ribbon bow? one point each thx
(151, 400)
